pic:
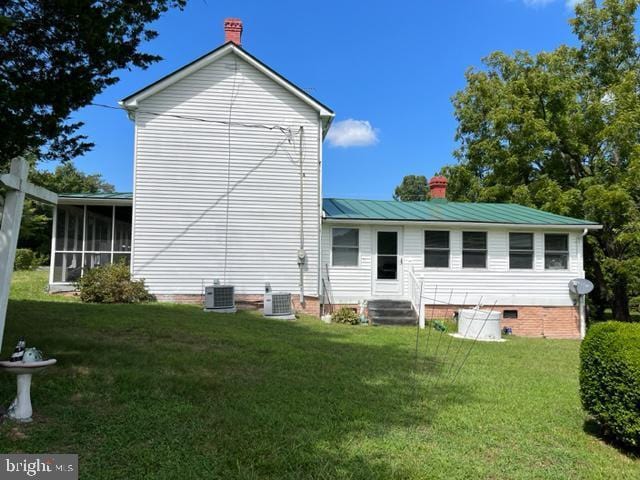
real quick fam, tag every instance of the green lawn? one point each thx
(167, 391)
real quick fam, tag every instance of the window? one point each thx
(510, 314)
(344, 247)
(436, 249)
(387, 254)
(556, 251)
(474, 249)
(521, 250)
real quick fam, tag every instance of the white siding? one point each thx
(180, 180)
(496, 283)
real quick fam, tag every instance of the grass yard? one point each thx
(167, 391)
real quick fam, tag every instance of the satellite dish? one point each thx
(580, 286)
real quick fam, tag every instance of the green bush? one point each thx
(345, 315)
(26, 259)
(610, 379)
(112, 283)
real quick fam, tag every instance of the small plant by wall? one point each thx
(346, 315)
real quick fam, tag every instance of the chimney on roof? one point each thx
(438, 187)
(233, 30)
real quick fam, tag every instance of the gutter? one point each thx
(441, 223)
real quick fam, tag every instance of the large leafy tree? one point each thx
(55, 57)
(412, 188)
(560, 131)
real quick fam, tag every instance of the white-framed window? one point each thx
(436, 248)
(556, 251)
(88, 236)
(474, 249)
(521, 251)
(345, 247)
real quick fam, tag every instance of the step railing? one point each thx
(416, 287)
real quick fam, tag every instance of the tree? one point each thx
(560, 131)
(35, 229)
(66, 178)
(412, 188)
(55, 57)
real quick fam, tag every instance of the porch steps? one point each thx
(391, 312)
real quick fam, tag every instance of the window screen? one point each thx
(556, 251)
(436, 249)
(521, 250)
(344, 249)
(474, 249)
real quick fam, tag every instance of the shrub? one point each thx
(346, 315)
(26, 259)
(112, 283)
(610, 379)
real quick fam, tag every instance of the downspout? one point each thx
(302, 255)
(583, 309)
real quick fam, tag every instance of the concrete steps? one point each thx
(391, 312)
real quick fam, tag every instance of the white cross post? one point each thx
(18, 186)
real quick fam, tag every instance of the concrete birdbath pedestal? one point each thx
(20, 409)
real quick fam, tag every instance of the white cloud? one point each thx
(352, 133)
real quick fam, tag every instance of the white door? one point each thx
(387, 265)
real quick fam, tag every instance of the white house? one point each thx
(228, 185)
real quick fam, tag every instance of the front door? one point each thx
(387, 267)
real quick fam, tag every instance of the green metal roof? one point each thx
(100, 195)
(443, 211)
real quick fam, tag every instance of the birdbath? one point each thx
(20, 409)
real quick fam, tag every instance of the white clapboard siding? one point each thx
(496, 283)
(181, 167)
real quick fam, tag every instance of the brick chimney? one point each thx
(438, 187)
(233, 30)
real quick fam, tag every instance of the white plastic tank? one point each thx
(480, 324)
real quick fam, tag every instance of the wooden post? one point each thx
(11, 218)
(18, 188)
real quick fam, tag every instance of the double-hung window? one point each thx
(521, 251)
(556, 251)
(344, 247)
(436, 249)
(474, 249)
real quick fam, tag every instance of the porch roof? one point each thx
(445, 212)
(101, 198)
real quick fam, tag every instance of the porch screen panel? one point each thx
(107, 239)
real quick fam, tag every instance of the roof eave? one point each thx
(443, 223)
(132, 101)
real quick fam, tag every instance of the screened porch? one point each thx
(89, 231)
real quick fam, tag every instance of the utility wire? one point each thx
(198, 119)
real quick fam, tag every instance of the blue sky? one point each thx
(390, 66)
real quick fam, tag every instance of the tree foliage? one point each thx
(55, 57)
(412, 188)
(560, 131)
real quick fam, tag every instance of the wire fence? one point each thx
(445, 344)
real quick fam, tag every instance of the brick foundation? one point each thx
(248, 302)
(532, 321)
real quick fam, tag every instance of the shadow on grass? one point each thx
(594, 429)
(236, 396)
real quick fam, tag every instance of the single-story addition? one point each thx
(228, 185)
